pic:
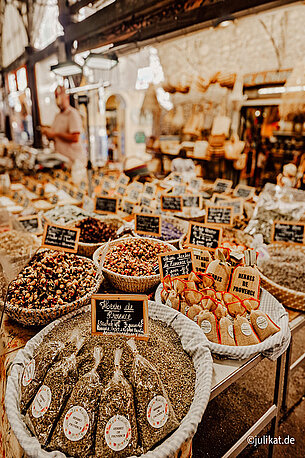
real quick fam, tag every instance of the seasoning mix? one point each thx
(93, 230)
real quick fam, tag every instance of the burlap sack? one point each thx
(208, 323)
(244, 333)
(245, 282)
(262, 324)
(226, 332)
(201, 259)
(221, 273)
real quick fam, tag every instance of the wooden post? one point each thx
(30, 65)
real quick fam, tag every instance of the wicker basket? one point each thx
(288, 297)
(130, 284)
(41, 317)
(87, 249)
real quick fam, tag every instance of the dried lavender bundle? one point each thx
(116, 432)
(74, 432)
(155, 415)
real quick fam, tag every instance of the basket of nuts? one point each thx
(51, 285)
(94, 232)
(131, 264)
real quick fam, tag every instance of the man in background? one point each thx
(66, 130)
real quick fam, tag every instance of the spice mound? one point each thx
(52, 278)
(134, 257)
(18, 244)
(93, 230)
(286, 267)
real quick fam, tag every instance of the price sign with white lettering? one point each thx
(288, 232)
(60, 238)
(192, 201)
(243, 191)
(123, 314)
(222, 186)
(147, 224)
(105, 204)
(171, 203)
(176, 263)
(219, 215)
(202, 235)
(31, 223)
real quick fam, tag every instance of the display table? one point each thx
(226, 372)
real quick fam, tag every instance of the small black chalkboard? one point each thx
(288, 232)
(122, 314)
(31, 223)
(191, 201)
(219, 215)
(105, 204)
(243, 191)
(176, 263)
(203, 236)
(222, 186)
(147, 224)
(171, 203)
(60, 238)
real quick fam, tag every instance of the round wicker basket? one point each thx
(87, 249)
(288, 297)
(127, 283)
(41, 317)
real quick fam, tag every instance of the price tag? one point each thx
(147, 224)
(123, 180)
(171, 203)
(105, 204)
(288, 232)
(134, 195)
(150, 189)
(146, 201)
(31, 223)
(192, 201)
(122, 314)
(201, 235)
(176, 263)
(60, 238)
(219, 215)
(243, 191)
(222, 186)
(121, 189)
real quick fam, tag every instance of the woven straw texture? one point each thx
(124, 282)
(40, 317)
(272, 347)
(193, 342)
(87, 249)
(288, 297)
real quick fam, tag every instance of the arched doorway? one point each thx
(115, 127)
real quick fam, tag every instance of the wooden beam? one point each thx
(166, 20)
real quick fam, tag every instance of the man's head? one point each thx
(62, 98)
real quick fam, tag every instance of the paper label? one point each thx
(206, 326)
(76, 423)
(246, 329)
(262, 322)
(118, 433)
(28, 373)
(157, 412)
(230, 331)
(42, 401)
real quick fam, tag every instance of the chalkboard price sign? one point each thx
(105, 204)
(60, 238)
(219, 215)
(171, 203)
(201, 235)
(288, 232)
(237, 204)
(176, 263)
(245, 192)
(222, 186)
(122, 314)
(191, 201)
(147, 224)
(31, 223)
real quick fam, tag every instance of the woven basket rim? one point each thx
(32, 311)
(280, 287)
(133, 277)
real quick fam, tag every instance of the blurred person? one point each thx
(66, 130)
(24, 114)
